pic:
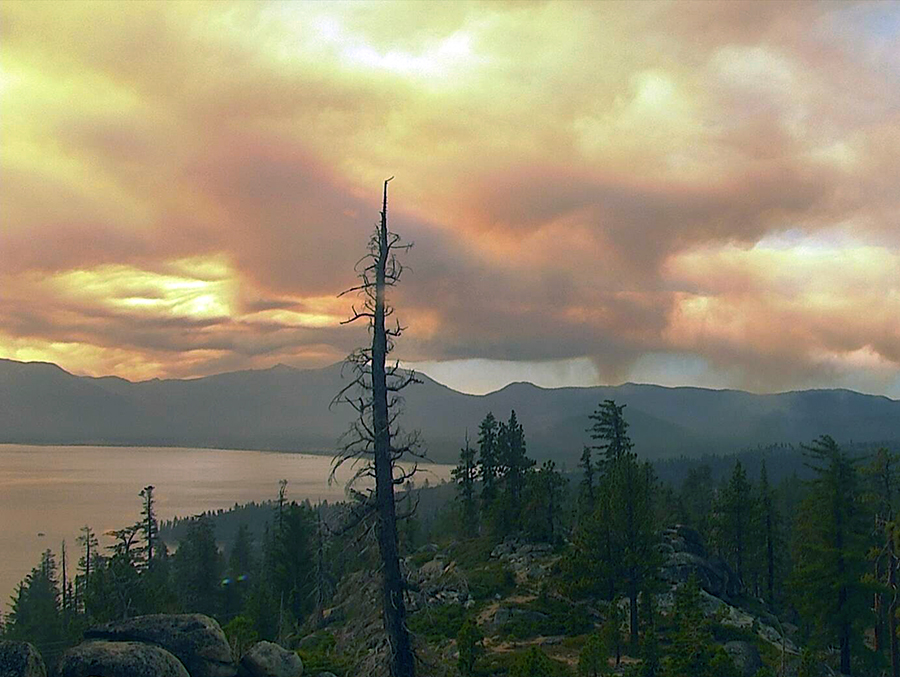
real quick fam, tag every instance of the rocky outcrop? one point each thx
(119, 659)
(20, 659)
(527, 560)
(684, 555)
(196, 640)
(745, 656)
(266, 659)
(504, 615)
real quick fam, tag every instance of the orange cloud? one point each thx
(186, 186)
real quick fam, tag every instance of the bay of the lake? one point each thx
(47, 493)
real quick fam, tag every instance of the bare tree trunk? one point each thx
(65, 580)
(892, 608)
(402, 659)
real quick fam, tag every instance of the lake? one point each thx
(55, 491)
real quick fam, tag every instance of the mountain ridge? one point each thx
(286, 408)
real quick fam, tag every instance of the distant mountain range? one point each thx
(286, 409)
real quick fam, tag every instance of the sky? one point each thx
(686, 193)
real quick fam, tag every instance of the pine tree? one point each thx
(469, 644)
(611, 429)
(735, 511)
(692, 651)
(882, 479)
(513, 460)
(543, 506)
(88, 541)
(198, 568)
(628, 487)
(465, 474)
(769, 525)
(149, 525)
(831, 550)
(698, 497)
(488, 462)
(587, 483)
(35, 610)
(593, 660)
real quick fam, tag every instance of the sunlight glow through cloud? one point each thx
(597, 191)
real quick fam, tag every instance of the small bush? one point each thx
(472, 552)
(560, 618)
(438, 623)
(322, 658)
(489, 580)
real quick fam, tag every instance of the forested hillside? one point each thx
(704, 567)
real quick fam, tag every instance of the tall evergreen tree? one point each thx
(35, 613)
(768, 525)
(611, 430)
(488, 462)
(734, 523)
(614, 550)
(198, 568)
(87, 540)
(830, 558)
(586, 463)
(513, 460)
(465, 474)
(698, 497)
(149, 524)
(883, 475)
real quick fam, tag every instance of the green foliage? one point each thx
(241, 635)
(465, 474)
(489, 580)
(320, 656)
(614, 548)
(34, 615)
(543, 504)
(198, 569)
(651, 657)
(548, 617)
(438, 623)
(593, 660)
(469, 644)
(692, 651)
(535, 663)
(830, 554)
(488, 460)
(809, 664)
(732, 528)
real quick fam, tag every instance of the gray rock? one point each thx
(504, 615)
(196, 640)
(745, 656)
(685, 556)
(326, 674)
(119, 659)
(266, 659)
(20, 659)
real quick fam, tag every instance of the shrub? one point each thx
(468, 642)
(535, 663)
(489, 580)
(438, 623)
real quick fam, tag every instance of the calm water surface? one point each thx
(57, 490)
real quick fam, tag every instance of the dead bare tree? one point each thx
(374, 445)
